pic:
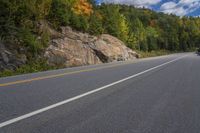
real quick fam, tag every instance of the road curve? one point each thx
(154, 95)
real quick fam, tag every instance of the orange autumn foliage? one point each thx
(82, 7)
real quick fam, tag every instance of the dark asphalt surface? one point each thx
(165, 100)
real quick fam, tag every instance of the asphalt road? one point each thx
(154, 95)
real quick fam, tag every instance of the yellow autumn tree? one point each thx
(82, 7)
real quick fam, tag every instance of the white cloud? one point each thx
(172, 8)
(168, 5)
(138, 3)
(187, 1)
(181, 8)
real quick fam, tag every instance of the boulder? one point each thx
(113, 49)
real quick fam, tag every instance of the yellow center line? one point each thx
(60, 75)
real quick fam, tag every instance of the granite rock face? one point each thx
(75, 49)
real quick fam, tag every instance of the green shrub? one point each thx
(34, 66)
(30, 67)
(60, 13)
(79, 22)
(29, 40)
(45, 38)
(95, 25)
(6, 73)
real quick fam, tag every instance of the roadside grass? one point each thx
(154, 53)
(30, 67)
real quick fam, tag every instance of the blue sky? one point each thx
(177, 7)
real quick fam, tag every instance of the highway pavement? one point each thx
(153, 95)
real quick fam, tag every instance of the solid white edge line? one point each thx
(6, 123)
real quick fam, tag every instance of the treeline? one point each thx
(149, 30)
(140, 29)
(146, 30)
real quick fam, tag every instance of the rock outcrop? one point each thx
(76, 49)
(10, 58)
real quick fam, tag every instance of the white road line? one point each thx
(6, 123)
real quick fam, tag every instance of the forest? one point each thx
(141, 29)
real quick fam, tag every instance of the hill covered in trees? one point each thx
(140, 29)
